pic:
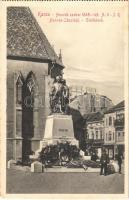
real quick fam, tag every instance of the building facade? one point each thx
(120, 132)
(105, 131)
(109, 130)
(114, 130)
(32, 66)
(91, 103)
(95, 133)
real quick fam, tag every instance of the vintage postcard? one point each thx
(64, 99)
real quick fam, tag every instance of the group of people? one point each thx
(104, 160)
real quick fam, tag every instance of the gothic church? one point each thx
(32, 65)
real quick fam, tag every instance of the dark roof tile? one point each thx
(25, 37)
(92, 117)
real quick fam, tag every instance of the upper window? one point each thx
(109, 136)
(120, 116)
(96, 134)
(119, 134)
(110, 121)
(92, 135)
(106, 121)
(113, 136)
(101, 134)
(106, 136)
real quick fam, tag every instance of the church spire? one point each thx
(60, 56)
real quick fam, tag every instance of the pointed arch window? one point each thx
(32, 84)
(19, 84)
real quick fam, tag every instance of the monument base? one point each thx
(45, 142)
(59, 129)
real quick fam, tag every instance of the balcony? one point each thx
(95, 141)
(98, 141)
(89, 141)
(119, 122)
(120, 139)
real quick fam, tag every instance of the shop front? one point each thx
(98, 146)
(110, 151)
(95, 146)
(121, 149)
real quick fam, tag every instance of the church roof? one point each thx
(25, 38)
(93, 117)
(119, 106)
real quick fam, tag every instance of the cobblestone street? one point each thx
(85, 183)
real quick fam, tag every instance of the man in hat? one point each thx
(104, 161)
(119, 160)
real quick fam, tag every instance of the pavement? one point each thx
(67, 170)
(58, 169)
(26, 182)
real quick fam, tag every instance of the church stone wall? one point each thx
(10, 104)
(40, 70)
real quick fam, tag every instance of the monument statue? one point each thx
(59, 125)
(59, 96)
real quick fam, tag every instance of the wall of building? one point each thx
(95, 130)
(119, 126)
(14, 112)
(110, 133)
(89, 103)
(109, 128)
(112, 127)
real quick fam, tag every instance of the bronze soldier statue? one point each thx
(59, 96)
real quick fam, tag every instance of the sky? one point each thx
(93, 52)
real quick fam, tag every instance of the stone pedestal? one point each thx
(59, 128)
(11, 163)
(36, 167)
